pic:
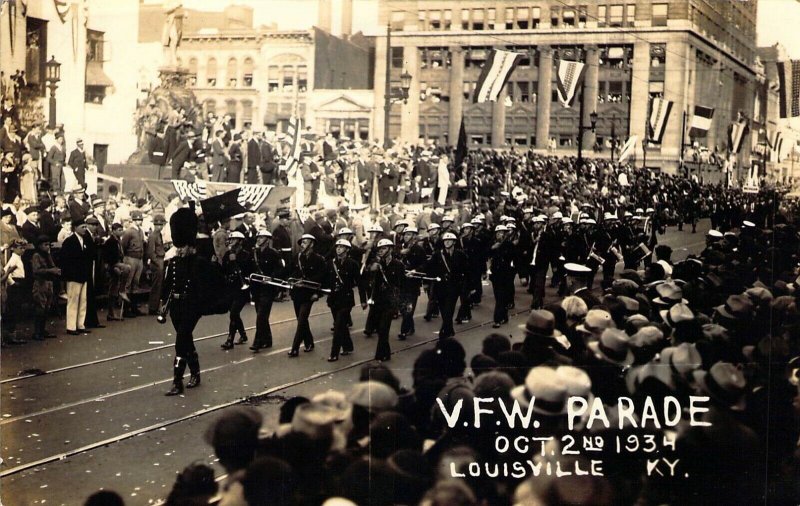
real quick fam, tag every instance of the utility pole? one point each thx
(387, 91)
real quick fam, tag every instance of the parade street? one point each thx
(80, 413)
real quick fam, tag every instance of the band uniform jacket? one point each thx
(267, 262)
(282, 239)
(385, 285)
(237, 268)
(413, 258)
(502, 260)
(76, 260)
(343, 276)
(308, 267)
(451, 268)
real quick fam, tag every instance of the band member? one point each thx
(431, 245)
(282, 240)
(538, 261)
(386, 276)
(237, 266)
(343, 276)
(268, 262)
(502, 274)
(181, 295)
(450, 265)
(368, 258)
(472, 250)
(308, 267)
(413, 258)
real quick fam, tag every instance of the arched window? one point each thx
(233, 67)
(210, 107)
(287, 83)
(230, 110)
(247, 77)
(211, 72)
(193, 72)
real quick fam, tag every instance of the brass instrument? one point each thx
(645, 251)
(163, 311)
(594, 256)
(412, 274)
(287, 283)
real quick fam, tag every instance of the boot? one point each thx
(178, 367)
(194, 369)
(228, 344)
(242, 338)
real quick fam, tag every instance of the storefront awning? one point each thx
(95, 75)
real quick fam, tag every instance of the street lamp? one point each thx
(52, 77)
(388, 97)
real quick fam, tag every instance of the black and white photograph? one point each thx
(549, 250)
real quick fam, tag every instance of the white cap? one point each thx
(566, 220)
(411, 229)
(401, 222)
(527, 210)
(511, 225)
(375, 228)
(715, 233)
(449, 236)
(557, 215)
(639, 210)
(345, 231)
(480, 216)
(448, 217)
(576, 268)
(308, 236)
(590, 221)
(236, 235)
(264, 233)
(500, 228)
(476, 221)
(433, 226)
(748, 224)
(385, 242)
(344, 242)
(467, 224)
(538, 219)
(649, 210)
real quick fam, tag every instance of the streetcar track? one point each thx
(218, 407)
(138, 352)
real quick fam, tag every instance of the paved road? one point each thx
(98, 418)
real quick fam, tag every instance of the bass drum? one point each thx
(214, 295)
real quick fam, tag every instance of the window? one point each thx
(582, 10)
(658, 55)
(434, 57)
(467, 89)
(630, 15)
(601, 15)
(397, 57)
(448, 19)
(287, 82)
(193, 71)
(475, 57)
(247, 78)
(555, 16)
(478, 16)
(94, 46)
(96, 80)
(210, 106)
(615, 16)
(36, 53)
(569, 17)
(660, 14)
(421, 20)
(230, 110)
(397, 21)
(535, 18)
(465, 19)
(232, 70)
(522, 92)
(211, 72)
(247, 114)
(273, 80)
(302, 78)
(522, 18)
(491, 19)
(434, 20)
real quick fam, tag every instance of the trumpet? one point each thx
(262, 279)
(412, 274)
(163, 311)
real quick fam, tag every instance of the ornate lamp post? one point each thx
(52, 77)
(581, 130)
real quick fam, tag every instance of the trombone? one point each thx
(412, 274)
(262, 279)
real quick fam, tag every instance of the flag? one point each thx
(494, 75)
(293, 133)
(628, 148)
(222, 206)
(252, 196)
(701, 119)
(374, 196)
(62, 8)
(659, 115)
(789, 88)
(461, 147)
(196, 191)
(567, 78)
(303, 214)
(736, 132)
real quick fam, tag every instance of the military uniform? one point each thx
(385, 283)
(452, 269)
(266, 261)
(308, 266)
(237, 267)
(413, 258)
(343, 276)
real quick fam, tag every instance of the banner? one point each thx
(659, 115)
(789, 88)
(255, 197)
(701, 119)
(628, 148)
(567, 78)
(736, 132)
(495, 74)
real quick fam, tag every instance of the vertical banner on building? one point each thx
(701, 119)
(789, 88)
(568, 76)
(495, 74)
(737, 131)
(628, 148)
(659, 115)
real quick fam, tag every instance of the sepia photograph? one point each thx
(549, 250)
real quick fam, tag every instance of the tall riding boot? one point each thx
(228, 344)
(194, 370)
(178, 367)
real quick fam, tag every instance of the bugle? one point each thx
(421, 275)
(163, 311)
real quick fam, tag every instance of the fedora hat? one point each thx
(625, 287)
(725, 383)
(676, 314)
(653, 372)
(613, 347)
(736, 307)
(596, 322)
(647, 335)
(541, 323)
(683, 359)
(374, 396)
(669, 293)
(546, 388)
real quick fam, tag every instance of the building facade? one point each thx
(98, 84)
(692, 52)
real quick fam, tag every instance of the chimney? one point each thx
(347, 18)
(325, 16)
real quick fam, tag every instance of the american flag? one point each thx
(628, 148)
(495, 74)
(568, 76)
(293, 132)
(196, 191)
(252, 196)
(659, 115)
(789, 88)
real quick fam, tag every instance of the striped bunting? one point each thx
(196, 191)
(736, 132)
(659, 115)
(568, 76)
(628, 148)
(62, 8)
(789, 88)
(701, 119)
(494, 75)
(252, 196)
(293, 132)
